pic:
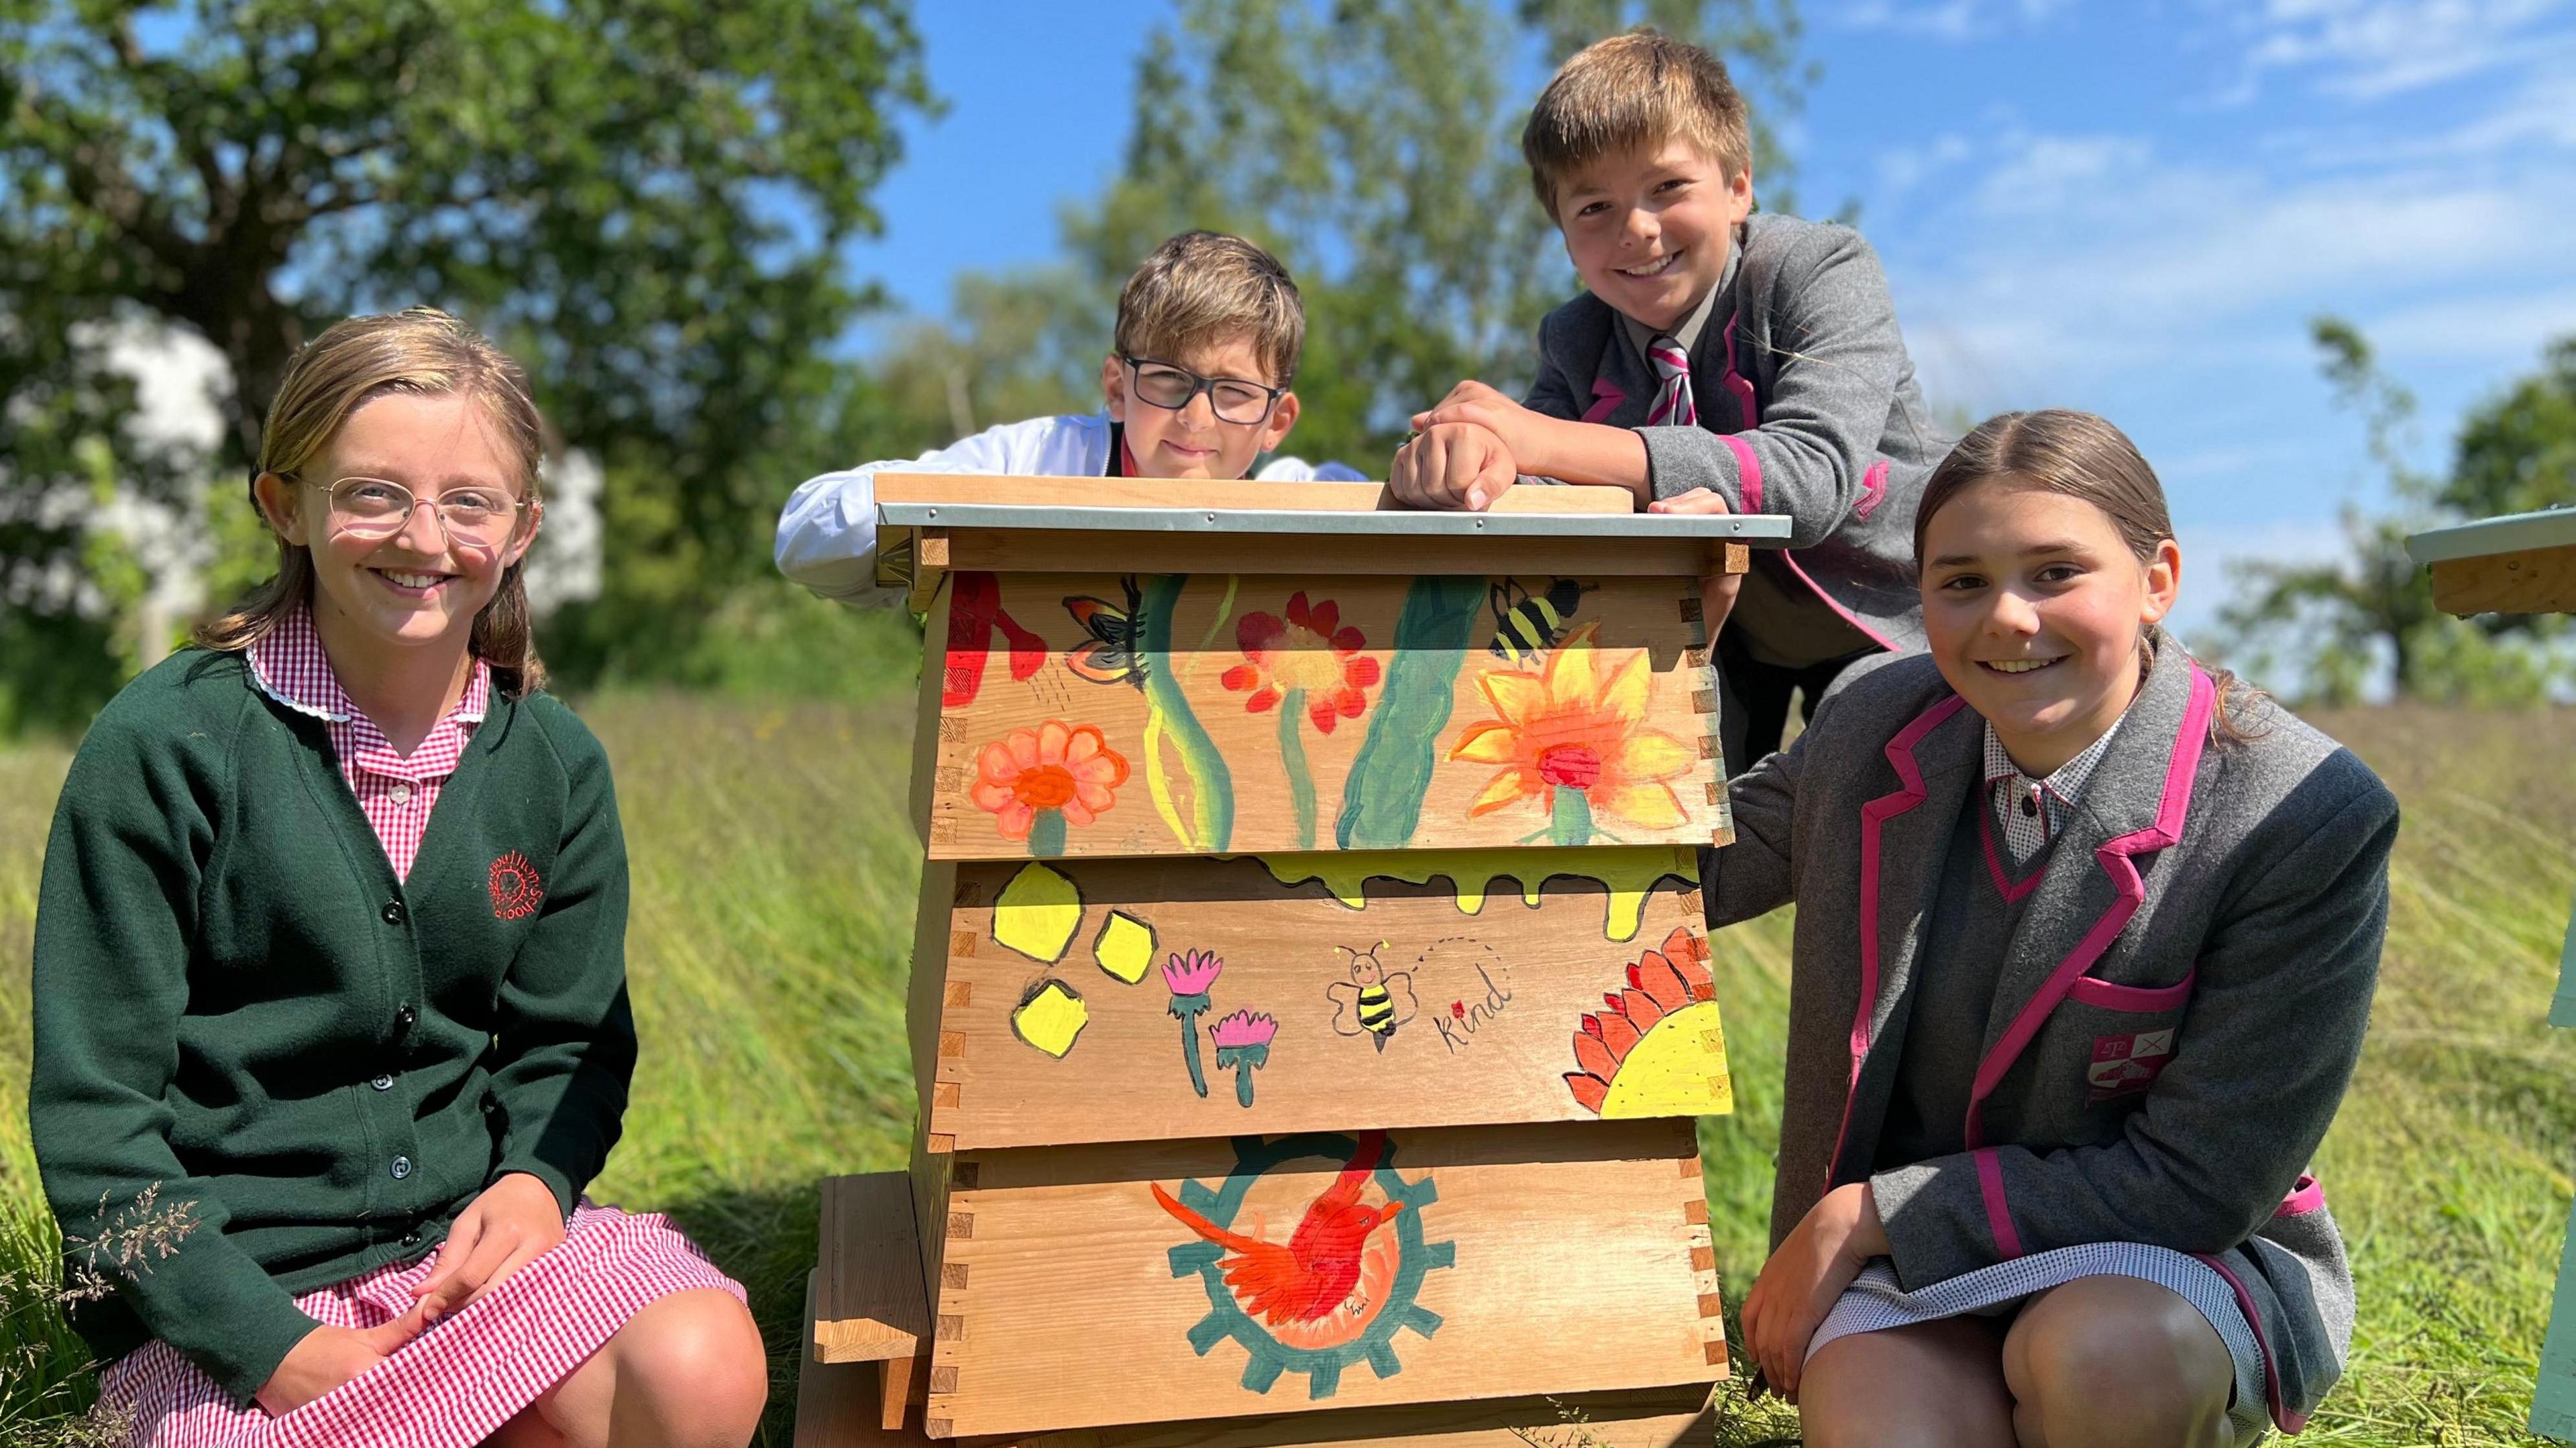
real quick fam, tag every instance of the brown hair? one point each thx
(2075, 455)
(422, 352)
(1627, 93)
(1206, 288)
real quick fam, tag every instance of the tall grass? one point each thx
(774, 879)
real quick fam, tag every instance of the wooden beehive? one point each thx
(1310, 998)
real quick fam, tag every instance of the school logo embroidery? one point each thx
(516, 890)
(2123, 1065)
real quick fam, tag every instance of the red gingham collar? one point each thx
(289, 666)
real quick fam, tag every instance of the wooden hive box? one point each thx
(1310, 998)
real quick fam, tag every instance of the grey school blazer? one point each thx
(1808, 406)
(2232, 893)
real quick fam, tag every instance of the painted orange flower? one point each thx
(1310, 656)
(1067, 771)
(1573, 739)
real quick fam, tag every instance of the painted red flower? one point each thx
(1309, 653)
(516, 890)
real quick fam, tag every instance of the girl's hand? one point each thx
(1717, 590)
(1798, 1285)
(513, 1222)
(330, 1356)
(1453, 465)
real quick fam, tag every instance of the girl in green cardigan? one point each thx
(330, 980)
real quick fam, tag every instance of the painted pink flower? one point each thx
(1193, 973)
(1065, 768)
(1244, 1028)
(1311, 656)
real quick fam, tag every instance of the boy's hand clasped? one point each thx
(1800, 1283)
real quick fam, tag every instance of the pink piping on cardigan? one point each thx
(1748, 470)
(2304, 1198)
(2136, 998)
(2114, 856)
(2282, 1417)
(2005, 885)
(1990, 1185)
(1606, 397)
(1874, 815)
(1733, 382)
(1873, 489)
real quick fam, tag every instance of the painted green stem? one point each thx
(1382, 799)
(1569, 817)
(1046, 834)
(1188, 1008)
(1211, 784)
(1292, 751)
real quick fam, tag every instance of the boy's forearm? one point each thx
(1591, 452)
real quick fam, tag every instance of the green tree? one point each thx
(644, 199)
(1374, 145)
(2343, 625)
(2517, 452)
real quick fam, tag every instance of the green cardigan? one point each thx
(236, 1002)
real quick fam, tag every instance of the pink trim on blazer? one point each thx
(1748, 470)
(2282, 1417)
(2304, 1198)
(1734, 384)
(2005, 885)
(1990, 1185)
(2114, 858)
(1606, 397)
(1873, 489)
(2136, 998)
(1874, 816)
(1790, 557)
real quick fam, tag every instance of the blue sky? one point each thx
(2129, 207)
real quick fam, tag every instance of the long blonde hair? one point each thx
(422, 352)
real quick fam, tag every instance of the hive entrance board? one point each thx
(1208, 714)
(1107, 1000)
(1197, 1279)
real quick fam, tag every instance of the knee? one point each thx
(697, 1357)
(2128, 1363)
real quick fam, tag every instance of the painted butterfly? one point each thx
(1111, 657)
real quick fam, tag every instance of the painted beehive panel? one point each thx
(1123, 1000)
(1098, 1285)
(1101, 714)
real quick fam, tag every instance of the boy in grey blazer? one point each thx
(1717, 361)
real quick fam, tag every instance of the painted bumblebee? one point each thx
(1374, 1001)
(1526, 625)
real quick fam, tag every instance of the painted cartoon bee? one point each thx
(1112, 655)
(1374, 1001)
(1526, 625)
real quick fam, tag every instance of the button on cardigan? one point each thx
(227, 969)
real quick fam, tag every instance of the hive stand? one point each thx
(2524, 563)
(1310, 1002)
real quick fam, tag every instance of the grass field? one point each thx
(774, 878)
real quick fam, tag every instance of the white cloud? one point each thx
(1950, 20)
(2369, 49)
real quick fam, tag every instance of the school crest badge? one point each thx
(2123, 1065)
(516, 889)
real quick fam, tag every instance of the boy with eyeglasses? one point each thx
(1196, 386)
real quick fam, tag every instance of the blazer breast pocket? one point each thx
(2128, 1033)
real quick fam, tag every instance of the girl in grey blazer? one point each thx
(2085, 947)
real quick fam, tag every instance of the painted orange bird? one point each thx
(1316, 1271)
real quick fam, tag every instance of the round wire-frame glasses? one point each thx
(377, 508)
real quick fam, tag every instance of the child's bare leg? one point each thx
(1931, 1385)
(2107, 1362)
(686, 1372)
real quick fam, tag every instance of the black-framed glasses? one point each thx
(379, 507)
(1233, 399)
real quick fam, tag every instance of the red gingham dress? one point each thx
(468, 1374)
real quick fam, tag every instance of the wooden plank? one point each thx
(2511, 533)
(836, 1403)
(1507, 1261)
(2541, 580)
(1270, 736)
(1038, 550)
(1408, 989)
(871, 1306)
(1361, 497)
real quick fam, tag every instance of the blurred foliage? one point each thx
(645, 200)
(1374, 146)
(2344, 626)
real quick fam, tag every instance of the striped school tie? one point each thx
(1673, 404)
